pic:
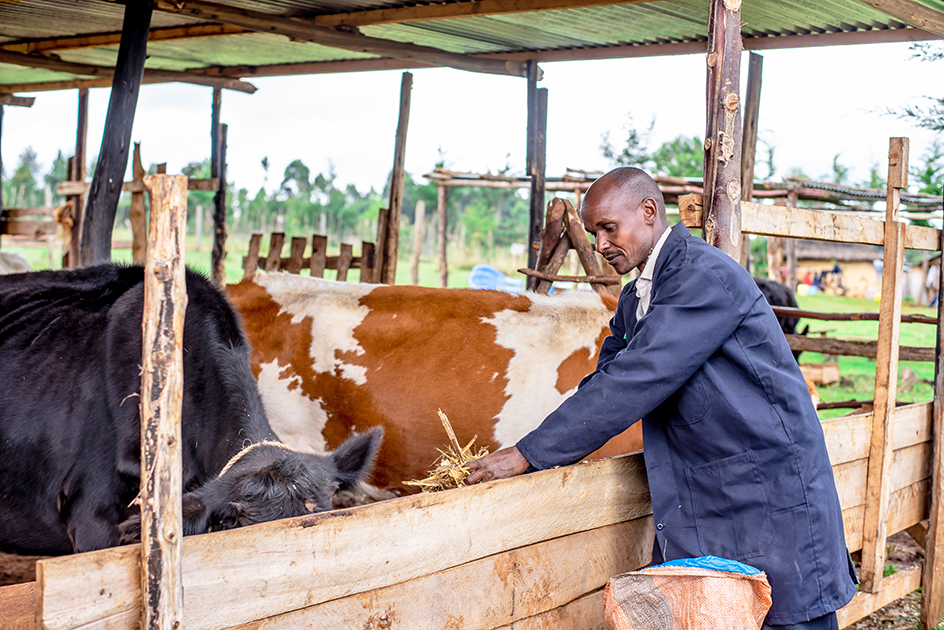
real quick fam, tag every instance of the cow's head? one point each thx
(268, 481)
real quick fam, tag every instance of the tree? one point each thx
(681, 157)
(21, 190)
(931, 116)
(929, 171)
(635, 148)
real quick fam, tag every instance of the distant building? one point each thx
(859, 278)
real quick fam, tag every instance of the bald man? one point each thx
(734, 450)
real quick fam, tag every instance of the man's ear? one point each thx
(650, 211)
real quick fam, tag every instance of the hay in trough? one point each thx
(450, 471)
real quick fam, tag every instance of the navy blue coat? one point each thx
(734, 450)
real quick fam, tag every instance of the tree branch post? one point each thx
(165, 302)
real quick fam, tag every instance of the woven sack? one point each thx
(705, 593)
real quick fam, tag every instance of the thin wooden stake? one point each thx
(218, 257)
(419, 231)
(136, 214)
(389, 266)
(932, 584)
(875, 523)
(165, 302)
(441, 214)
(537, 183)
(77, 173)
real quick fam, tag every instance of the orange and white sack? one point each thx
(705, 593)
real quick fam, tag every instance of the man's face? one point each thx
(621, 228)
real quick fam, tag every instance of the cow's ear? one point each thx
(354, 459)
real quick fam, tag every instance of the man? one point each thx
(735, 454)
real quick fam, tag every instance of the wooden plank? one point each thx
(73, 42)
(722, 179)
(896, 586)
(906, 507)
(294, 262)
(911, 13)
(247, 574)
(585, 613)
(344, 261)
(537, 130)
(932, 602)
(554, 263)
(854, 348)
(909, 466)
(218, 255)
(251, 260)
(496, 591)
(69, 188)
(819, 225)
(383, 216)
(318, 262)
(16, 101)
(388, 264)
(274, 257)
(18, 606)
(886, 377)
(345, 40)
(43, 211)
(34, 229)
(161, 402)
(106, 72)
(136, 213)
(367, 261)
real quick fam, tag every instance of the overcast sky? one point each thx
(815, 103)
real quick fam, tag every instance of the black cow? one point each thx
(779, 294)
(70, 355)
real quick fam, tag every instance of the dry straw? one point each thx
(450, 471)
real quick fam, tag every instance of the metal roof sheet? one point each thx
(587, 31)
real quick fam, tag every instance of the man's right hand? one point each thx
(502, 464)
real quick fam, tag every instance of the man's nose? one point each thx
(601, 245)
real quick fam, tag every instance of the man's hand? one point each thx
(502, 464)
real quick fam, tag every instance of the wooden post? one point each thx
(136, 213)
(875, 522)
(99, 220)
(749, 142)
(531, 131)
(932, 583)
(218, 257)
(165, 302)
(537, 184)
(790, 246)
(419, 231)
(722, 198)
(441, 215)
(389, 261)
(77, 174)
(319, 257)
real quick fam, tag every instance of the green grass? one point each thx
(857, 373)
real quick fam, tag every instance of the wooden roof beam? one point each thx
(325, 36)
(105, 72)
(911, 13)
(27, 46)
(454, 10)
(16, 101)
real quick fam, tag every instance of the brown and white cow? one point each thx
(334, 357)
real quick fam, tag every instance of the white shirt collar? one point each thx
(650, 268)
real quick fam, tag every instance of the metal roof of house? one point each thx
(184, 37)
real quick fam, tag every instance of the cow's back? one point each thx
(335, 357)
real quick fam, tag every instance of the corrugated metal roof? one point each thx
(593, 29)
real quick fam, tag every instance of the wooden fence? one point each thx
(502, 553)
(316, 263)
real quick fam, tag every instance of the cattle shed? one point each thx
(500, 554)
